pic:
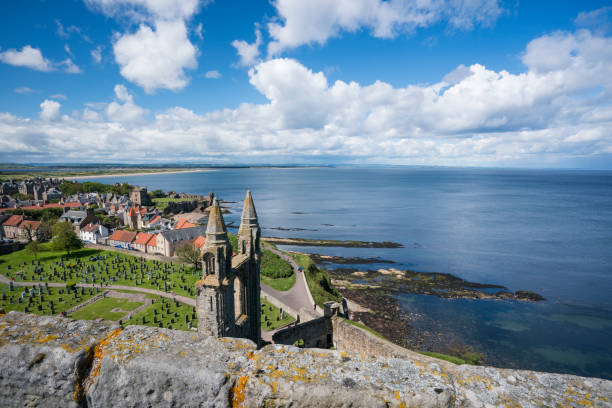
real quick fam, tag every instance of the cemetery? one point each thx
(98, 270)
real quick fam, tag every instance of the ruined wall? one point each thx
(314, 333)
(348, 337)
(59, 362)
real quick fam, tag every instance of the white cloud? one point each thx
(25, 90)
(156, 58)
(473, 116)
(68, 51)
(28, 57)
(91, 115)
(127, 111)
(158, 53)
(49, 110)
(248, 52)
(58, 96)
(143, 10)
(598, 21)
(214, 74)
(96, 54)
(302, 22)
(198, 31)
(70, 66)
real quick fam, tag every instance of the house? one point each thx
(141, 241)
(122, 239)
(3, 217)
(183, 223)
(93, 233)
(168, 241)
(152, 245)
(29, 230)
(11, 226)
(200, 241)
(52, 194)
(78, 219)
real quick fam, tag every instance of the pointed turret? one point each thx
(248, 233)
(216, 232)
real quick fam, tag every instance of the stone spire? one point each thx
(215, 229)
(249, 215)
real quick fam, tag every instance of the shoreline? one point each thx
(144, 173)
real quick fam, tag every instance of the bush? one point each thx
(273, 266)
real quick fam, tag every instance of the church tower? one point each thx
(214, 291)
(247, 287)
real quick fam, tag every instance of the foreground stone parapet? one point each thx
(49, 361)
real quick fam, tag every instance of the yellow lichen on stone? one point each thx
(238, 392)
(47, 338)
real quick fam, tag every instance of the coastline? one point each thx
(144, 173)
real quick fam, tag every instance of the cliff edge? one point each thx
(52, 361)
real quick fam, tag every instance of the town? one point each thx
(29, 209)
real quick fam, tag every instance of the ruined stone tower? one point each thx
(227, 295)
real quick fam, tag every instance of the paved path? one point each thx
(298, 297)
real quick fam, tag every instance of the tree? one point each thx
(64, 238)
(33, 248)
(45, 229)
(157, 194)
(189, 253)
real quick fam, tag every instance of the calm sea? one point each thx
(547, 231)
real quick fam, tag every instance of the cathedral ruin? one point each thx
(227, 295)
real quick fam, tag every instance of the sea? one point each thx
(546, 231)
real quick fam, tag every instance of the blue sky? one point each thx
(440, 82)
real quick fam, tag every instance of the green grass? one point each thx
(162, 203)
(273, 266)
(102, 308)
(113, 268)
(166, 313)
(272, 313)
(282, 284)
(233, 239)
(30, 304)
(446, 357)
(318, 281)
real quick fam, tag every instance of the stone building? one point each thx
(140, 196)
(227, 295)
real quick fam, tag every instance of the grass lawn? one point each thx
(281, 284)
(162, 203)
(61, 298)
(273, 266)
(96, 266)
(318, 281)
(446, 357)
(102, 308)
(166, 313)
(270, 316)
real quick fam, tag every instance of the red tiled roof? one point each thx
(31, 224)
(90, 227)
(143, 238)
(199, 241)
(132, 212)
(13, 221)
(183, 223)
(123, 236)
(143, 211)
(153, 241)
(72, 205)
(154, 220)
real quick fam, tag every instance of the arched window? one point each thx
(209, 264)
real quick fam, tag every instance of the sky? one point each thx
(401, 82)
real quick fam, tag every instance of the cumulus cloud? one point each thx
(473, 116)
(49, 110)
(32, 58)
(248, 52)
(96, 54)
(214, 74)
(27, 57)
(158, 53)
(127, 111)
(301, 22)
(156, 57)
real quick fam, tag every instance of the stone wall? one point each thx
(59, 362)
(314, 333)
